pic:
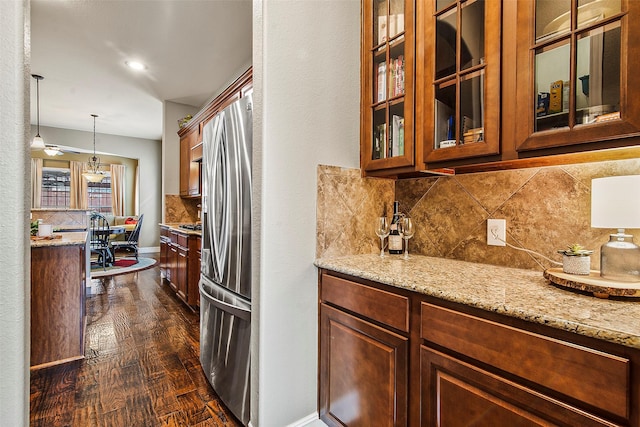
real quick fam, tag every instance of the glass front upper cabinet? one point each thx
(575, 91)
(461, 72)
(387, 95)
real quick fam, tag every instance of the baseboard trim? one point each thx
(311, 420)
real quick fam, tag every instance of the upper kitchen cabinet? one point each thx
(458, 78)
(191, 147)
(573, 81)
(387, 95)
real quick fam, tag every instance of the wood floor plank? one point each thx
(141, 365)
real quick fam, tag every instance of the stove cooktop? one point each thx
(197, 227)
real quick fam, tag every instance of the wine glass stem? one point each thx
(406, 248)
(382, 246)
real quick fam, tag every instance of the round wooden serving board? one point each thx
(601, 288)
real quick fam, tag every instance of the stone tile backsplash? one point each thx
(546, 209)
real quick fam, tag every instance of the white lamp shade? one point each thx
(615, 202)
(37, 143)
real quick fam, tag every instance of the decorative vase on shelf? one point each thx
(576, 260)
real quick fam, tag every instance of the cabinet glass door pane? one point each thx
(598, 72)
(380, 146)
(380, 72)
(591, 11)
(552, 77)
(445, 113)
(441, 4)
(396, 130)
(472, 108)
(396, 18)
(380, 21)
(396, 70)
(553, 17)
(446, 39)
(472, 42)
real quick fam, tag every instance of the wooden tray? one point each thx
(52, 237)
(601, 288)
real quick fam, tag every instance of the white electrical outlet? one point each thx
(496, 232)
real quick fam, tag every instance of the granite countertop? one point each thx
(176, 226)
(65, 239)
(523, 294)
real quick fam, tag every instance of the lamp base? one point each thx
(620, 259)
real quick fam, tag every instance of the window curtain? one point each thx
(79, 194)
(36, 183)
(136, 191)
(117, 189)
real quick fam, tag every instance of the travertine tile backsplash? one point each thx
(180, 210)
(546, 209)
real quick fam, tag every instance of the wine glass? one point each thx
(408, 230)
(382, 230)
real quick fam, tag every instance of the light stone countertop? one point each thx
(67, 239)
(176, 226)
(523, 294)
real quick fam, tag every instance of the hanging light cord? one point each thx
(38, 106)
(94, 162)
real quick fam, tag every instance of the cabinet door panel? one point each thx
(455, 393)
(594, 377)
(363, 372)
(574, 82)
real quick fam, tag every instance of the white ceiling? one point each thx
(192, 50)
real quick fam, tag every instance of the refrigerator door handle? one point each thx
(229, 308)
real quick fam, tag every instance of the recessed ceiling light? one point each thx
(136, 65)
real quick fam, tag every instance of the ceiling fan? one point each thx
(52, 150)
(56, 150)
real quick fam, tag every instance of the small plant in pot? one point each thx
(576, 259)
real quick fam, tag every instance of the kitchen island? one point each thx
(429, 336)
(58, 282)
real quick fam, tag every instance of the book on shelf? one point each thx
(379, 150)
(396, 76)
(382, 81)
(397, 136)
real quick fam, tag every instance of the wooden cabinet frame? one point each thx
(613, 132)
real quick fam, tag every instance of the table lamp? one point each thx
(615, 203)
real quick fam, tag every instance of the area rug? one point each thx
(122, 266)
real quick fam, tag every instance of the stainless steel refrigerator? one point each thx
(225, 280)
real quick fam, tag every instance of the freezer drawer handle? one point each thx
(231, 309)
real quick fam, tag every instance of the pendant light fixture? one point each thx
(38, 142)
(93, 174)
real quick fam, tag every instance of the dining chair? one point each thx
(131, 244)
(99, 243)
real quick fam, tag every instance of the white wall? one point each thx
(149, 155)
(306, 104)
(14, 209)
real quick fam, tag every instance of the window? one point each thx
(56, 190)
(100, 195)
(56, 183)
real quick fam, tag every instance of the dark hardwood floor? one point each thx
(141, 364)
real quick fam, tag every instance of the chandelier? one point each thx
(93, 174)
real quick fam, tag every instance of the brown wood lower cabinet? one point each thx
(364, 382)
(180, 263)
(364, 366)
(455, 365)
(58, 277)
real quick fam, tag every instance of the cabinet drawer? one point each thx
(376, 304)
(182, 240)
(594, 377)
